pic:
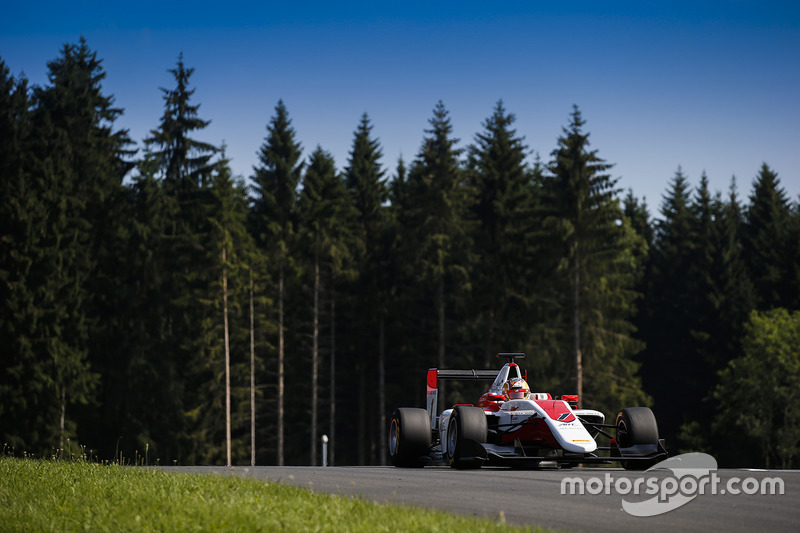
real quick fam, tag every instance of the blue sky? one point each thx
(710, 86)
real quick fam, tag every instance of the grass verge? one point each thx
(41, 495)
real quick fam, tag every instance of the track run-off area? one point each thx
(727, 500)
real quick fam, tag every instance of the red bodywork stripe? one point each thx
(533, 432)
(556, 408)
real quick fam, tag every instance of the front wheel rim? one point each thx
(622, 434)
(452, 438)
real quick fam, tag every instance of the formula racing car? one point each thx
(516, 427)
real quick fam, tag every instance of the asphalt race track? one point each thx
(534, 497)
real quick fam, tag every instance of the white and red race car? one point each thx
(513, 426)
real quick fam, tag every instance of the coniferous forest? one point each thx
(154, 305)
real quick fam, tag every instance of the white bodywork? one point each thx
(571, 436)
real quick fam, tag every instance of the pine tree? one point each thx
(670, 350)
(720, 288)
(25, 374)
(224, 397)
(398, 186)
(736, 292)
(702, 266)
(703, 293)
(145, 394)
(597, 249)
(503, 211)
(76, 174)
(274, 221)
(367, 185)
(183, 168)
(639, 216)
(766, 240)
(793, 258)
(438, 247)
(732, 299)
(184, 162)
(326, 215)
(409, 321)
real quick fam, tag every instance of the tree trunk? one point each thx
(441, 315)
(280, 366)
(576, 323)
(63, 422)
(315, 365)
(381, 393)
(227, 357)
(332, 431)
(362, 414)
(252, 377)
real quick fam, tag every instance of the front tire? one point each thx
(409, 437)
(636, 425)
(466, 430)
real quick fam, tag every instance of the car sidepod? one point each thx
(553, 416)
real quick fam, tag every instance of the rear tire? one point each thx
(636, 425)
(467, 426)
(409, 437)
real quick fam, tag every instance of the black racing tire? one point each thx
(467, 424)
(409, 437)
(636, 425)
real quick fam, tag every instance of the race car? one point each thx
(516, 427)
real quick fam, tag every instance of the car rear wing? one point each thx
(435, 375)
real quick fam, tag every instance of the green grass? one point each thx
(42, 495)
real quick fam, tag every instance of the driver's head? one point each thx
(516, 389)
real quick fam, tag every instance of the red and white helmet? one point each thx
(516, 389)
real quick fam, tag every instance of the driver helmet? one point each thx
(516, 389)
